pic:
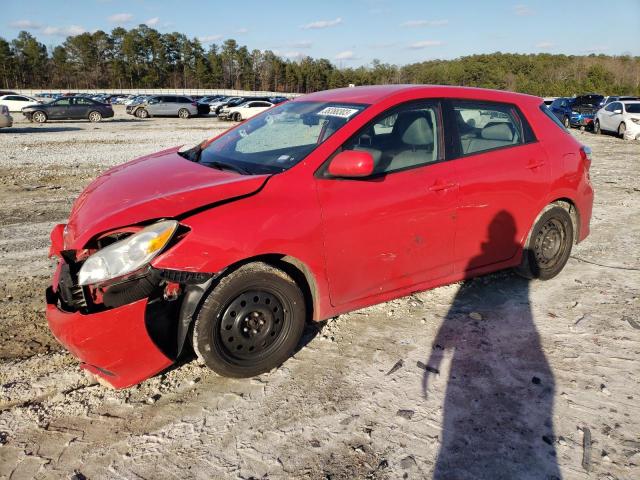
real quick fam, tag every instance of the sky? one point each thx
(352, 32)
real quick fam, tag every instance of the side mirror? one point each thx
(618, 111)
(351, 164)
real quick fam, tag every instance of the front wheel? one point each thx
(251, 322)
(39, 117)
(566, 122)
(236, 117)
(549, 245)
(95, 117)
(621, 130)
(596, 128)
(184, 113)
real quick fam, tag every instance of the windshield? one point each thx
(277, 139)
(632, 107)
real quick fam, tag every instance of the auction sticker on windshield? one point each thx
(341, 112)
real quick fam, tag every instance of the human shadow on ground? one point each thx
(498, 408)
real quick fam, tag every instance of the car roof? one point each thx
(376, 93)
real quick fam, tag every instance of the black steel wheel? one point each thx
(549, 245)
(250, 322)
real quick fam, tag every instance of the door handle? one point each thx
(533, 165)
(441, 186)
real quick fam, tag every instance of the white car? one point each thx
(15, 102)
(244, 110)
(622, 118)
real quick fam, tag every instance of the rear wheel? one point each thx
(549, 245)
(184, 113)
(566, 122)
(596, 127)
(251, 322)
(142, 113)
(621, 130)
(95, 116)
(39, 117)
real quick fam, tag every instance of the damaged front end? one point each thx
(124, 319)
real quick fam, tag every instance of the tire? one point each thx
(184, 113)
(236, 117)
(596, 128)
(250, 323)
(566, 122)
(39, 116)
(548, 246)
(95, 117)
(142, 113)
(622, 128)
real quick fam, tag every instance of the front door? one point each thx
(396, 228)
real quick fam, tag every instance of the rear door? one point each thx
(503, 173)
(396, 228)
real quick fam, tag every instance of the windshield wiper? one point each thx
(228, 166)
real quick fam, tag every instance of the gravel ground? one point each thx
(496, 378)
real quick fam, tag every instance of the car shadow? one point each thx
(498, 406)
(39, 129)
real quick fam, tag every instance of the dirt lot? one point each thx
(494, 379)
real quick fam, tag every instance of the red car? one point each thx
(325, 204)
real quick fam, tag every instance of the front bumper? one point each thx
(581, 120)
(113, 344)
(632, 132)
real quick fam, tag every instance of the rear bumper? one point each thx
(112, 344)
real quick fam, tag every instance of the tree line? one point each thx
(142, 57)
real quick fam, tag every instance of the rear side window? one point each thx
(487, 126)
(552, 117)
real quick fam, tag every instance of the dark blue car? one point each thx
(577, 111)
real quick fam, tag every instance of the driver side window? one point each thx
(406, 138)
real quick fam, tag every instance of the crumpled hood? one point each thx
(161, 185)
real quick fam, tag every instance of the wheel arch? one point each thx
(570, 206)
(295, 268)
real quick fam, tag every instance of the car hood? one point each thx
(161, 185)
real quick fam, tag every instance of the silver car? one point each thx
(6, 120)
(164, 106)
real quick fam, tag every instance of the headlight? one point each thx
(128, 255)
(635, 120)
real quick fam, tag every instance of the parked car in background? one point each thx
(223, 102)
(577, 111)
(6, 120)
(164, 106)
(159, 250)
(74, 108)
(136, 99)
(244, 110)
(15, 102)
(8, 92)
(617, 98)
(623, 118)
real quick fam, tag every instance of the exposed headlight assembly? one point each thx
(127, 255)
(635, 120)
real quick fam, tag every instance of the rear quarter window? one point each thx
(552, 117)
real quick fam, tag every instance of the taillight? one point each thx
(585, 154)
